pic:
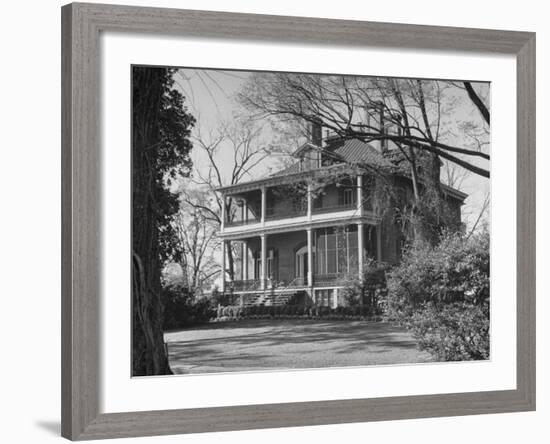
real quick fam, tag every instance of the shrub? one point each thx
(367, 289)
(227, 311)
(442, 293)
(454, 332)
(181, 309)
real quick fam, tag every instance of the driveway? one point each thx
(287, 344)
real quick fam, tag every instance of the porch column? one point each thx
(379, 242)
(263, 205)
(263, 261)
(223, 267)
(360, 245)
(243, 210)
(244, 260)
(309, 201)
(309, 258)
(222, 224)
(360, 195)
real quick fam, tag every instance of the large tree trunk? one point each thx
(149, 355)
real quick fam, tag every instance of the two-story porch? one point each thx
(287, 243)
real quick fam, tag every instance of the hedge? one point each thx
(294, 312)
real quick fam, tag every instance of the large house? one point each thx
(295, 234)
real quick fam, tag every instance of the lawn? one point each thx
(287, 344)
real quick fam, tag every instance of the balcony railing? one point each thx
(275, 214)
(334, 208)
(237, 223)
(272, 214)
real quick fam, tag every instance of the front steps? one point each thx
(273, 298)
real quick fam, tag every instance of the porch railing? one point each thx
(297, 282)
(334, 208)
(319, 280)
(322, 280)
(236, 223)
(272, 214)
(246, 285)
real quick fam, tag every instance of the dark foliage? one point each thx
(458, 331)
(160, 152)
(368, 290)
(181, 310)
(442, 294)
(228, 313)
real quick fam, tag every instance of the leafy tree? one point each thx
(442, 293)
(160, 154)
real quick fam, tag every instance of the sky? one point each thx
(211, 98)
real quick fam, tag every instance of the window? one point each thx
(348, 197)
(311, 160)
(347, 193)
(318, 202)
(324, 298)
(336, 250)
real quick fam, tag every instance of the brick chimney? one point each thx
(316, 133)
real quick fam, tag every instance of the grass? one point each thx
(289, 344)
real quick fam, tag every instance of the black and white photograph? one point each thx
(285, 221)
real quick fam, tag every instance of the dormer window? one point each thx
(310, 160)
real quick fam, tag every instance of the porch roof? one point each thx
(350, 152)
(280, 179)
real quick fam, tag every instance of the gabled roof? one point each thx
(304, 147)
(351, 151)
(356, 151)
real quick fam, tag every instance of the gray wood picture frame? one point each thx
(81, 173)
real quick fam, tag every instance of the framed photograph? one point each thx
(277, 221)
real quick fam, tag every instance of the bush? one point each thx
(182, 310)
(442, 294)
(227, 311)
(367, 289)
(292, 312)
(455, 332)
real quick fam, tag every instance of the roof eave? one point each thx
(276, 180)
(454, 192)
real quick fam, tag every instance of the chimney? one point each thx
(317, 132)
